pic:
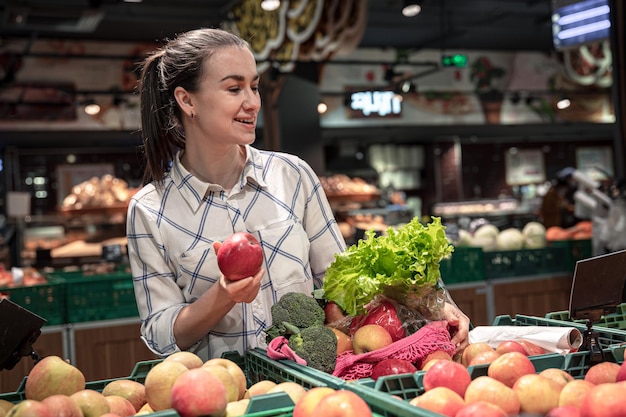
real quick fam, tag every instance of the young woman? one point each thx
(199, 107)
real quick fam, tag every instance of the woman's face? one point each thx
(228, 101)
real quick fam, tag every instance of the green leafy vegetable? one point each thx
(403, 261)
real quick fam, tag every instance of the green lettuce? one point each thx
(402, 261)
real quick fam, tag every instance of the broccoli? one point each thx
(317, 345)
(297, 309)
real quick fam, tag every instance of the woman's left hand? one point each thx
(459, 326)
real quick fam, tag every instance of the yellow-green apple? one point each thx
(120, 406)
(369, 338)
(240, 256)
(508, 367)
(440, 400)
(602, 372)
(392, 367)
(293, 390)
(6, 405)
(342, 403)
(574, 392)
(259, 388)
(145, 409)
(29, 408)
(511, 346)
(564, 411)
(483, 358)
(91, 402)
(237, 408)
(435, 354)
(447, 374)
(61, 405)
(159, 381)
(560, 376)
(238, 375)
(232, 387)
(604, 400)
(481, 409)
(133, 391)
(198, 393)
(537, 394)
(308, 402)
(52, 375)
(189, 359)
(532, 348)
(474, 349)
(485, 388)
(344, 342)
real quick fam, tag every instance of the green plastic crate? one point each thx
(46, 300)
(615, 320)
(574, 251)
(515, 263)
(98, 297)
(466, 264)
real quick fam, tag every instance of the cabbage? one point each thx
(534, 235)
(485, 237)
(510, 239)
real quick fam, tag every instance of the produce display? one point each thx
(107, 191)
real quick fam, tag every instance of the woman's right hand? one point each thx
(244, 290)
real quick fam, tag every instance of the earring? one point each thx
(192, 115)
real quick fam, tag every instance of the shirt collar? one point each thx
(193, 189)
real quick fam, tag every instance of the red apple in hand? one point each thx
(240, 256)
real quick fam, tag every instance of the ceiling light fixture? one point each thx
(270, 5)
(91, 107)
(563, 103)
(411, 8)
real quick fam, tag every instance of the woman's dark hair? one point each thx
(177, 63)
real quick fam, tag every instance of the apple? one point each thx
(508, 367)
(237, 408)
(486, 388)
(342, 403)
(532, 348)
(61, 405)
(604, 400)
(6, 405)
(237, 373)
(485, 357)
(293, 390)
(369, 338)
(308, 402)
(344, 342)
(232, 387)
(198, 393)
(259, 388)
(440, 400)
(189, 359)
(29, 408)
(159, 381)
(564, 411)
(120, 406)
(146, 409)
(621, 374)
(392, 367)
(482, 409)
(537, 394)
(574, 392)
(474, 349)
(447, 374)
(52, 375)
(561, 376)
(91, 402)
(133, 391)
(333, 312)
(384, 314)
(435, 354)
(602, 372)
(240, 256)
(511, 346)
